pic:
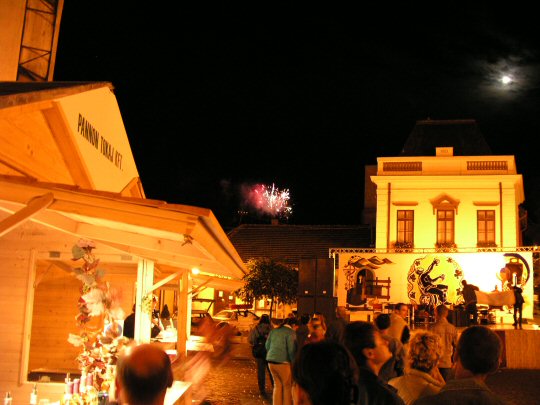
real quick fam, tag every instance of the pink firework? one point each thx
(269, 200)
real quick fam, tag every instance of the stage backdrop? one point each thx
(430, 278)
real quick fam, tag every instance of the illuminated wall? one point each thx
(463, 183)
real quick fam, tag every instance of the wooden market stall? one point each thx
(67, 174)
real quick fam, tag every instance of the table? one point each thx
(178, 394)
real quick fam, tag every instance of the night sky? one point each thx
(216, 101)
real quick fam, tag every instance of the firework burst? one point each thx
(269, 200)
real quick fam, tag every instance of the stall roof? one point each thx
(174, 236)
(54, 173)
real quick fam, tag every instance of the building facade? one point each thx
(441, 218)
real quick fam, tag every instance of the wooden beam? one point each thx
(200, 287)
(133, 189)
(24, 214)
(167, 279)
(67, 146)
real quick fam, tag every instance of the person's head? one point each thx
(441, 311)
(401, 309)
(382, 322)
(292, 322)
(264, 319)
(366, 344)
(143, 375)
(324, 373)
(463, 283)
(316, 326)
(341, 312)
(478, 352)
(304, 319)
(424, 351)
(165, 314)
(321, 318)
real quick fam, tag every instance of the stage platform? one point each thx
(521, 347)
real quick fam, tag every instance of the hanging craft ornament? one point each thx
(98, 305)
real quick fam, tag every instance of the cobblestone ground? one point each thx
(516, 387)
(233, 381)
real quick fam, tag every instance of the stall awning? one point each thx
(175, 236)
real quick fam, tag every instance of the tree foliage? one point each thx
(270, 279)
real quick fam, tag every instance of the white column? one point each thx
(145, 281)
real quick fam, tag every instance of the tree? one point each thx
(268, 278)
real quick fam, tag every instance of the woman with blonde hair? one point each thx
(422, 376)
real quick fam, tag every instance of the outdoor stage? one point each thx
(521, 347)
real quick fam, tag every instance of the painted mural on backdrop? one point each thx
(432, 278)
(360, 278)
(516, 271)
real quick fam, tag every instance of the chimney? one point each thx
(444, 151)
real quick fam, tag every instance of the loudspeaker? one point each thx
(316, 277)
(307, 275)
(324, 305)
(327, 307)
(306, 305)
(325, 278)
(458, 317)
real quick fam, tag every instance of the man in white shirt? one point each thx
(398, 323)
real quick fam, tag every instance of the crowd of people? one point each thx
(314, 362)
(378, 362)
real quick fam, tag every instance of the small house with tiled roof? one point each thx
(304, 247)
(291, 243)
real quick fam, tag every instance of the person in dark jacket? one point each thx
(325, 373)
(129, 324)
(518, 306)
(395, 365)
(469, 296)
(302, 331)
(370, 351)
(261, 331)
(336, 328)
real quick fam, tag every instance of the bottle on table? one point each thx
(33, 396)
(68, 392)
(91, 395)
(76, 398)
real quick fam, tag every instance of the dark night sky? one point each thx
(213, 100)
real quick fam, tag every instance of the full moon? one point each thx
(505, 79)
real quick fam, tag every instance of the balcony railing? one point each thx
(472, 249)
(402, 247)
(487, 165)
(446, 247)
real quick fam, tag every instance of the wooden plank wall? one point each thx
(522, 348)
(55, 303)
(13, 291)
(55, 306)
